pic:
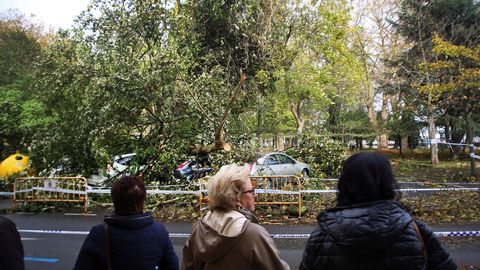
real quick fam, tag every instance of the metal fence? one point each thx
(278, 190)
(271, 190)
(50, 189)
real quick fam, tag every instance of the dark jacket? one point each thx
(11, 248)
(377, 235)
(230, 240)
(137, 242)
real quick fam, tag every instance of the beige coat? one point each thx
(229, 240)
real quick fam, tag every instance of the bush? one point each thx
(324, 155)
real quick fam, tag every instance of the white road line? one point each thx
(275, 235)
(80, 214)
(54, 232)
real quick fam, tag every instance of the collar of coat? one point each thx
(129, 222)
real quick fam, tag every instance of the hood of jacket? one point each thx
(218, 231)
(365, 228)
(129, 222)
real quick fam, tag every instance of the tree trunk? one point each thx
(382, 141)
(404, 148)
(456, 135)
(297, 111)
(448, 137)
(280, 143)
(383, 138)
(372, 118)
(433, 141)
(219, 141)
(468, 123)
(260, 119)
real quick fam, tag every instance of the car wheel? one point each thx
(304, 173)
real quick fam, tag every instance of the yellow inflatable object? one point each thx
(16, 163)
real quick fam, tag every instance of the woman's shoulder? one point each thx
(254, 229)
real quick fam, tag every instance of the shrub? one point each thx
(324, 155)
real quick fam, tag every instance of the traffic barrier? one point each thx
(278, 190)
(50, 189)
(271, 190)
(275, 190)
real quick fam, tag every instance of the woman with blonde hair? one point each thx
(228, 236)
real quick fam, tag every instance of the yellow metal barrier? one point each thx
(272, 190)
(278, 190)
(50, 189)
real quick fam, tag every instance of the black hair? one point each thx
(128, 195)
(366, 177)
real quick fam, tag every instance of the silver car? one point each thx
(279, 164)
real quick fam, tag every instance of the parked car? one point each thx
(279, 164)
(125, 164)
(191, 170)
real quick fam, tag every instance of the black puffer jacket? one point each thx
(378, 235)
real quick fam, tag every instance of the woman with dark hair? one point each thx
(369, 229)
(129, 238)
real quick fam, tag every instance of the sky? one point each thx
(52, 13)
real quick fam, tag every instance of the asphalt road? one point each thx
(59, 248)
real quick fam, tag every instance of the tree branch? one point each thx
(199, 106)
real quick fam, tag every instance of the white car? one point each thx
(279, 164)
(122, 165)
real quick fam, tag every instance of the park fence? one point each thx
(50, 189)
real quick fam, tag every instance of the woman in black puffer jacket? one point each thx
(369, 229)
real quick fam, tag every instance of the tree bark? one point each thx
(383, 138)
(433, 142)
(297, 111)
(280, 142)
(456, 135)
(468, 123)
(404, 148)
(371, 114)
(259, 130)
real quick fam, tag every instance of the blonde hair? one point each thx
(225, 187)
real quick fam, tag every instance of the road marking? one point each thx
(29, 239)
(37, 259)
(54, 232)
(80, 214)
(275, 235)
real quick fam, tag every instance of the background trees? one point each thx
(20, 44)
(419, 21)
